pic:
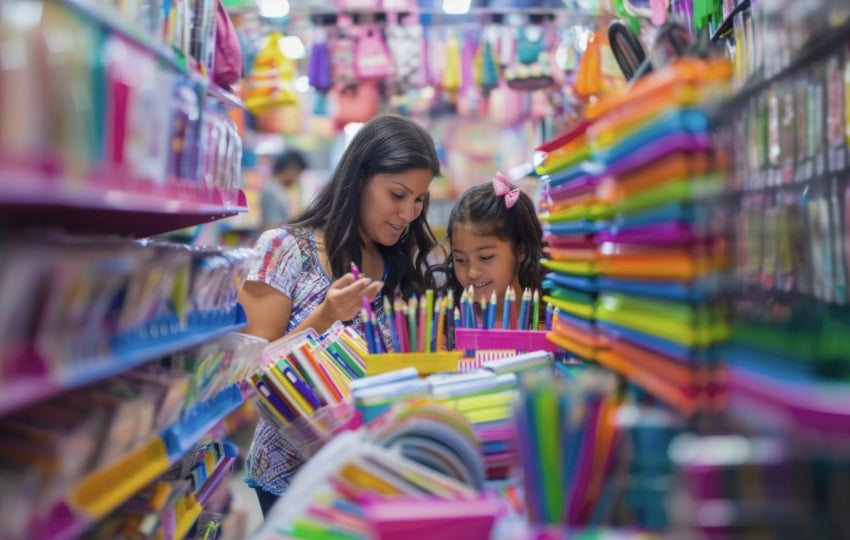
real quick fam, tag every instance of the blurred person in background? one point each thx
(281, 196)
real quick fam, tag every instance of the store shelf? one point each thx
(188, 512)
(112, 22)
(819, 46)
(100, 492)
(728, 23)
(153, 341)
(788, 400)
(137, 210)
(219, 474)
(198, 421)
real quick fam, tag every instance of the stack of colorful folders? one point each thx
(663, 253)
(416, 471)
(483, 397)
(572, 216)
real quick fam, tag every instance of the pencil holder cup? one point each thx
(309, 434)
(485, 343)
(427, 363)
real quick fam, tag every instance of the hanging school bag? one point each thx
(405, 45)
(270, 83)
(319, 67)
(531, 68)
(371, 58)
(227, 65)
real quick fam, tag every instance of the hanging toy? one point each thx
(270, 84)
(451, 73)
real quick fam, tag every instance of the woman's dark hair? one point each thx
(485, 214)
(386, 144)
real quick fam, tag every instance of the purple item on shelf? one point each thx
(579, 186)
(663, 147)
(663, 234)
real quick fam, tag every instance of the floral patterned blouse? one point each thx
(289, 262)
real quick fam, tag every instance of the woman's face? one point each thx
(486, 262)
(390, 202)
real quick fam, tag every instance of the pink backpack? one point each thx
(227, 66)
(371, 58)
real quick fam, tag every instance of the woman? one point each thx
(371, 213)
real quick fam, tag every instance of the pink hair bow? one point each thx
(502, 187)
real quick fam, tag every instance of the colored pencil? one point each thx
(506, 309)
(491, 313)
(422, 339)
(411, 322)
(535, 311)
(513, 309)
(401, 326)
(370, 336)
(388, 311)
(450, 320)
(441, 323)
(522, 323)
(428, 323)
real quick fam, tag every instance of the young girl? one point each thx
(495, 242)
(371, 213)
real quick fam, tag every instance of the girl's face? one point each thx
(390, 202)
(486, 262)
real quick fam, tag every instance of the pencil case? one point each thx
(561, 254)
(425, 363)
(572, 228)
(577, 330)
(588, 284)
(576, 241)
(583, 268)
(691, 326)
(684, 82)
(680, 190)
(675, 166)
(658, 149)
(694, 291)
(612, 145)
(515, 340)
(675, 233)
(585, 170)
(674, 211)
(418, 518)
(563, 151)
(583, 311)
(592, 210)
(683, 400)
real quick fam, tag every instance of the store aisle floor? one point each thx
(243, 495)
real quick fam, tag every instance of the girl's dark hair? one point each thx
(386, 144)
(485, 213)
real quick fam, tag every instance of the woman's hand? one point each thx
(343, 300)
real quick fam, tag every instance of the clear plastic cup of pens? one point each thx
(308, 434)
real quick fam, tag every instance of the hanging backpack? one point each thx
(270, 83)
(319, 66)
(531, 68)
(371, 58)
(341, 51)
(405, 45)
(227, 65)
